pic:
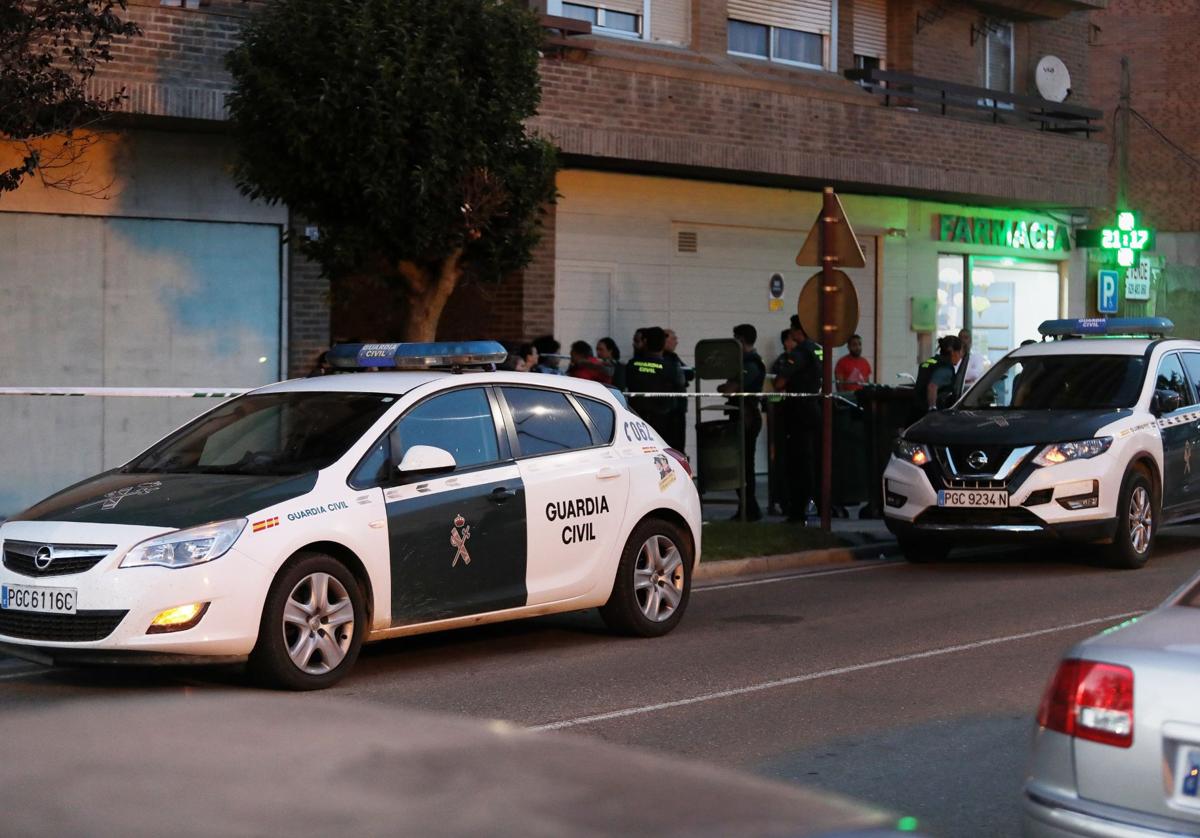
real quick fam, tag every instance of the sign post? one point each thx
(833, 244)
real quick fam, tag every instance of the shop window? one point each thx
(621, 17)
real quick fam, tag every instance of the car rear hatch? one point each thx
(1159, 773)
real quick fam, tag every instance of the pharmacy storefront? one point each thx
(999, 274)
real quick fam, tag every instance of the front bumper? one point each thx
(115, 606)
(1034, 512)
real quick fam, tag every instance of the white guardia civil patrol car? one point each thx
(1087, 436)
(291, 524)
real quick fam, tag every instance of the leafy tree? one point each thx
(49, 51)
(397, 127)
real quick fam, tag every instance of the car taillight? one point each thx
(1090, 700)
(682, 460)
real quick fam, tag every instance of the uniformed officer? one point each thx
(651, 372)
(803, 422)
(934, 389)
(754, 373)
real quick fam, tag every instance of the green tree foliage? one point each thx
(397, 127)
(49, 51)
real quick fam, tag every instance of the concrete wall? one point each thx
(171, 279)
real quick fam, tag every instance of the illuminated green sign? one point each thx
(1128, 239)
(1019, 234)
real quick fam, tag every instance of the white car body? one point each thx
(1160, 443)
(578, 509)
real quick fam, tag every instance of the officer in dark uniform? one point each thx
(803, 422)
(754, 373)
(651, 372)
(934, 389)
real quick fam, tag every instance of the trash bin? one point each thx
(885, 413)
(719, 456)
(851, 458)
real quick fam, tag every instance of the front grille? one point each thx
(80, 627)
(64, 559)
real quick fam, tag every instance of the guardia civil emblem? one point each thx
(460, 534)
(113, 499)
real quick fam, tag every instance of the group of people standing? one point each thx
(654, 368)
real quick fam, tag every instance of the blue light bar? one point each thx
(417, 356)
(1108, 327)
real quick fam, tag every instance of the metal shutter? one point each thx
(633, 7)
(870, 28)
(669, 21)
(804, 15)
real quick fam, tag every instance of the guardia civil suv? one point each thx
(291, 524)
(1086, 436)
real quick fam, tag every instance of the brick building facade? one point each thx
(1158, 38)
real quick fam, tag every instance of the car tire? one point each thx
(312, 626)
(923, 551)
(1137, 523)
(654, 581)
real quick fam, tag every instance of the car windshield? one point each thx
(269, 434)
(1059, 382)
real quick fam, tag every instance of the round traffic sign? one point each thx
(845, 308)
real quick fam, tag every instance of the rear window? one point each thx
(1059, 382)
(602, 416)
(546, 421)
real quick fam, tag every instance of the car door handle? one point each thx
(607, 473)
(500, 494)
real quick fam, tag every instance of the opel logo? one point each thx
(43, 557)
(977, 460)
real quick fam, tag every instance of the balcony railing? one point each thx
(905, 90)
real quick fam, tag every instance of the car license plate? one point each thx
(973, 498)
(44, 600)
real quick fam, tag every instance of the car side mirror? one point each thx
(425, 459)
(1165, 401)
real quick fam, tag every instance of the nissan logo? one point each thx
(977, 460)
(43, 557)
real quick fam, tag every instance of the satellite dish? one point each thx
(1053, 79)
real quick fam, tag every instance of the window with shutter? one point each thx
(625, 18)
(670, 21)
(998, 60)
(789, 31)
(870, 29)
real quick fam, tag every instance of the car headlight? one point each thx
(911, 452)
(186, 547)
(1062, 452)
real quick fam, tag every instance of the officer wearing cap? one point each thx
(935, 389)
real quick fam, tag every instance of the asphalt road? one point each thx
(912, 687)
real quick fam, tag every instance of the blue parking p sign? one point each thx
(1106, 292)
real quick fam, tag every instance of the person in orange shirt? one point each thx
(853, 370)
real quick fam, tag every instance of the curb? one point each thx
(763, 565)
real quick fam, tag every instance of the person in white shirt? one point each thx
(975, 363)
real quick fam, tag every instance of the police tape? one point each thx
(767, 396)
(230, 392)
(130, 392)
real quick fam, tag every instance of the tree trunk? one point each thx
(428, 289)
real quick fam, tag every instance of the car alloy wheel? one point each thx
(318, 623)
(658, 578)
(1141, 519)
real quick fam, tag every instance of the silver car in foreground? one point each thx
(1117, 749)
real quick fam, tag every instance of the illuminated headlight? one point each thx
(911, 452)
(186, 547)
(1063, 452)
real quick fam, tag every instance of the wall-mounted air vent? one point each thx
(689, 241)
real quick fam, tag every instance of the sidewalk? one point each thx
(851, 539)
